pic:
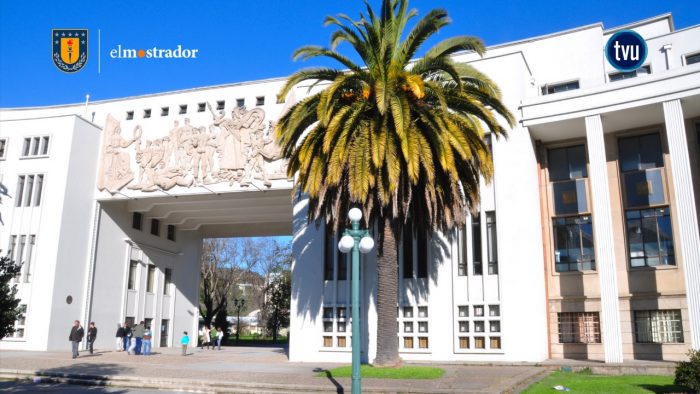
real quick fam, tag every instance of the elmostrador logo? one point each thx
(626, 50)
(70, 49)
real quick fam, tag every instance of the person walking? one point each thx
(185, 341)
(206, 334)
(127, 336)
(120, 337)
(91, 336)
(138, 334)
(75, 337)
(219, 337)
(147, 335)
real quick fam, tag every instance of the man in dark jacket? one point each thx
(127, 335)
(120, 337)
(76, 336)
(92, 335)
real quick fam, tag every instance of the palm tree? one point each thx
(401, 139)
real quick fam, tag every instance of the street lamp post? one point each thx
(357, 240)
(238, 304)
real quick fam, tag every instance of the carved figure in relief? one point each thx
(184, 145)
(201, 166)
(115, 166)
(143, 156)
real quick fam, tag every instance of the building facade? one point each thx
(585, 244)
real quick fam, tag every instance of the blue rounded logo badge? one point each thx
(626, 50)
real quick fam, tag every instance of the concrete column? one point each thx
(604, 249)
(684, 204)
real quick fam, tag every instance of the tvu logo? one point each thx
(626, 50)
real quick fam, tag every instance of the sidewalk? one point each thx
(266, 370)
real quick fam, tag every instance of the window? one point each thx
(155, 227)
(260, 100)
(423, 311)
(478, 310)
(137, 221)
(146, 113)
(167, 281)
(37, 190)
(183, 109)
(464, 342)
(618, 76)
(422, 326)
(476, 244)
(201, 107)
(568, 173)
(28, 261)
(463, 311)
(407, 244)
(220, 105)
(35, 146)
(491, 245)
(559, 87)
(330, 248)
(422, 262)
(327, 326)
(342, 266)
(692, 59)
(463, 326)
(20, 190)
(21, 322)
(133, 266)
(408, 342)
(407, 312)
(129, 115)
(579, 327)
(240, 103)
(640, 152)
(422, 342)
(495, 326)
(573, 243)
(341, 326)
(462, 248)
(171, 232)
(663, 326)
(29, 190)
(479, 343)
(342, 342)
(649, 237)
(20, 252)
(3, 148)
(327, 313)
(495, 342)
(164, 111)
(478, 326)
(150, 278)
(327, 341)
(341, 313)
(11, 248)
(408, 326)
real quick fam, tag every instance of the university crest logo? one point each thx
(70, 49)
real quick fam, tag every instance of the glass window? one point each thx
(479, 343)
(463, 326)
(35, 146)
(663, 326)
(341, 326)
(422, 262)
(342, 342)
(407, 243)
(146, 113)
(692, 59)
(478, 310)
(422, 311)
(640, 152)
(11, 248)
(150, 278)
(327, 313)
(422, 326)
(183, 109)
(260, 100)
(579, 327)
(407, 311)
(28, 261)
(328, 341)
(171, 232)
(20, 190)
(491, 244)
(423, 342)
(570, 197)
(168, 280)
(463, 311)
(133, 266)
(129, 115)
(567, 163)
(494, 310)
(38, 189)
(476, 244)
(408, 342)
(155, 227)
(618, 76)
(462, 247)
(28, 192)
(495, 326)
(407, 326)
(220, 104)
(3, 148)
(341, 312)
(495, 342)
(26, 147)
(478, 326)
(137, 220)
(644, 188)
(573, 243)
(559, 87)
(240, 103)
(327, 326)
(464, 342)
(164, 111)
(20, 252)
(330, 248)
(45, 145)
(650, 237)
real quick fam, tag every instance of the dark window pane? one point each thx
(650, 151)
(329, 253)
(558, 165)
(629, 154)
(570, 197)
(644, 188)
(408, 251)
(577, 161)
(476, 244)
(342, 266)
(422, 255)
(649, 237)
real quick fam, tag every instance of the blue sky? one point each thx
(243, 40)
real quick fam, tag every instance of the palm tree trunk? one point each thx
(387, 314)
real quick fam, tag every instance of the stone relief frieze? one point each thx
(237, 149)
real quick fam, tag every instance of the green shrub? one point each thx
(688, 372)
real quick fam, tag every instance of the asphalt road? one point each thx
(29, 387)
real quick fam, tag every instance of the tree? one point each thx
(396, 137)
(9, 305)
(279, 292)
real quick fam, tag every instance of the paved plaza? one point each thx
(244, 369)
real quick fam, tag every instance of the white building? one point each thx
(586, 245)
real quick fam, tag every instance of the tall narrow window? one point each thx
(26, 147)
(21, 322)
(133, 266)
(28, 192)
(20, 252)
(171, 232)
(37, 190)
(571, 223)
(462, 264)
(167, 281)
(35, 146)
(407, 243)
(491, 244)
(422, 255)
(45, 145)
(329, 252)
(137, 221)
(476, 244)
(3, 148)
(150, 278)
(11, 248)
(28, 262)
(20, 190)
(155, 227)
(342, 266)
(647, 215)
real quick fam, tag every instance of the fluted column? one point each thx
(604, 246)
(684, 204)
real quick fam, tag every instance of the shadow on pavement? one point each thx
(25, 386)
(338, 387)
(97, 372)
